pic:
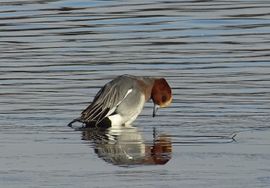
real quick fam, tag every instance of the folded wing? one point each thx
(107, 100)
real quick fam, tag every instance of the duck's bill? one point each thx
(155, 110)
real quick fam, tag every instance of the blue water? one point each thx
(56, 55)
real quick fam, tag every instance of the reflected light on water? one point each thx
(56, 54)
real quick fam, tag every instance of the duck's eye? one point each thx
(164, 98)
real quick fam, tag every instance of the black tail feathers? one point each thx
(75, 120)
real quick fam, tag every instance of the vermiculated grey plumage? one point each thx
(118, 102)
(107, 100)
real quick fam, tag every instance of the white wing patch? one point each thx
(128, 92)
(113, 109)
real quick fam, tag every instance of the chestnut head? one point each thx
(161, 94)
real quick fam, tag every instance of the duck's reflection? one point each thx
(125, 146)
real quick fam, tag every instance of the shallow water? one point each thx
(55, 55)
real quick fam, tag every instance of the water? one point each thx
(55, 55)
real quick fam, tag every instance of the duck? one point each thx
(120, 101)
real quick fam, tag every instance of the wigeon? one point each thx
(121, 100)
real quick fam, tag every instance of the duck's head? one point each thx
(161, 94)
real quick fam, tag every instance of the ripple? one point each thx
(55, 55)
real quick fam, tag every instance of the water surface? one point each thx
(55, 55)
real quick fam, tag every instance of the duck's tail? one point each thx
(75, 120)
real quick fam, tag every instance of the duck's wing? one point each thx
(107, 100)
